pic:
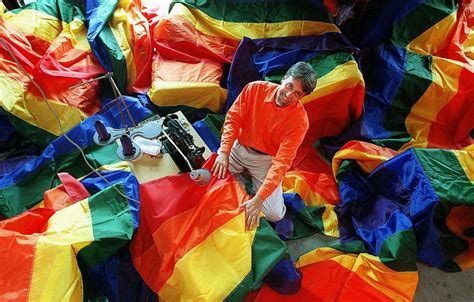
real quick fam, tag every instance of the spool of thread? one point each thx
(127, 146)
(102, 132)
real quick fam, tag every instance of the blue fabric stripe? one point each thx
(207, 135)
(383, 76)
(403, 180)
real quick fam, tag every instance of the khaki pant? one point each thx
(243, 159)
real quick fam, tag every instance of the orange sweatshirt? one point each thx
(257, 122)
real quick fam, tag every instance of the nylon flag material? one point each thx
(335, 271)
(48, 39)
(424, 103)
(199, 37)
(23, 180)
(192, 241)
(403, 22)
(42, 249)
(415, 192)
(119, 35)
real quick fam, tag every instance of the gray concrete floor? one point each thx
(438, 286)
(434, 285)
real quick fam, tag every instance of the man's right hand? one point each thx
(221, 164)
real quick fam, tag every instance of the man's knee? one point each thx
(274, 216)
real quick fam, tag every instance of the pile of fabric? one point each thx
(383, 179)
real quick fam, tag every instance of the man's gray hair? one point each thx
(305, 72)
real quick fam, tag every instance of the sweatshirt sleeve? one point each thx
(234, 120)
(282, 161)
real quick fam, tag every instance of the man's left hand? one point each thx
(253, 208)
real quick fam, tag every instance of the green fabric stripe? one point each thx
(34, 134)
(260, 12)
(398, 251)
(267, 250)
(322, 63)
(29, 191)
(307, 222)
(117, 59)
(417, 79)
(65, 10)
(422, 18)
(112, 227)
(446, 176)
(215, 122)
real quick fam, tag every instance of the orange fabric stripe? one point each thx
(316, 184)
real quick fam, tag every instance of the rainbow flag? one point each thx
(405, 194)
(119, 35)
(335, 271)
(418, 91)
(23, 180)
(181, 248)
(46, 252)
(195, 42)
(423, 103)
(48, 39)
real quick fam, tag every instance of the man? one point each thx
(262, 132)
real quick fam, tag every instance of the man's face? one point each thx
(290, 91)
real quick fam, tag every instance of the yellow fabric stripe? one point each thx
(36, 23)
(76, 32)
(435, 38)
(369, 268)
(237, 30)
(466, 159)
(48, 28)
(197, 95)
(297, 184)
(445, 83)
(211, 270)
(330, 222)
(367, 161)
(120, 26)
(56, 275)
(33, 109)
(344, 76)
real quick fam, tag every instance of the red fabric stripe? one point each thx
(178, 39)
(331, 114)
(326, 281)
(454, 122)
(20, 234)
